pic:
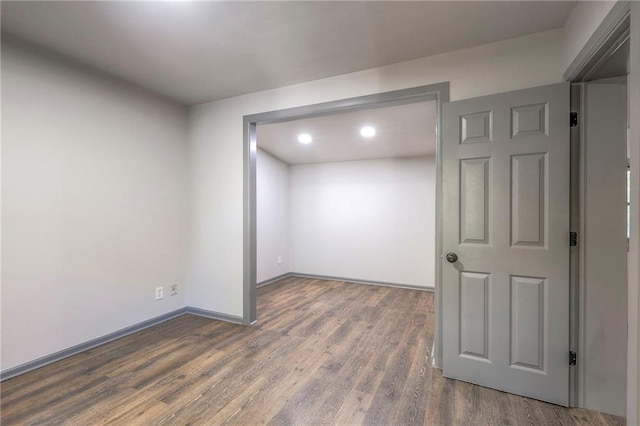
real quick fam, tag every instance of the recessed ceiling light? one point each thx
(368, 131)
(304, 138)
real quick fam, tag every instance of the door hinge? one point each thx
(573, 119)
(573, 239)
(573, 358)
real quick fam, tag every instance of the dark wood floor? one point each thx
(323, 352)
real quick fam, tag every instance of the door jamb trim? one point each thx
(606, 33)
(438, 92)
(614, 27)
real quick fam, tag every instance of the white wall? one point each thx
(95, 204)
(368, 220)
(216, 139)
(272, 216)
(583, 21)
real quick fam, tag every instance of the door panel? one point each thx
(474, 315)
(527, 332)
(528, 196)
(474, 200)
(506, 216)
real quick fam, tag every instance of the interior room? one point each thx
(349, 196)
(320, 212)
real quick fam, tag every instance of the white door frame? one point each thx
(633, 280)
(434, 92)
(623, 15)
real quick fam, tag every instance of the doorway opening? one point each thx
(601, 218)
(349, 196)
(437, 93)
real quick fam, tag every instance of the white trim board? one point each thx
(606, 31)
(359, 281)
(273, 279)
(633, 280)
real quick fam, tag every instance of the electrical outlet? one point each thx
(279, 260)
(159, 293)
(174, 289)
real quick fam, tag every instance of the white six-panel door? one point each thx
(506, 217)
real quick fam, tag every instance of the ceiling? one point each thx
(407, 130)
(198, 51)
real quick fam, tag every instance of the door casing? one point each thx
(609, 35)
(434, 92)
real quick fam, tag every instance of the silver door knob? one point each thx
(451, 257)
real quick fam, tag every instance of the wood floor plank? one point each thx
(468, 407)
(132, 412)
(440, 408)
(390, 392)
(410, 408)
(34, 383)
(496, 408)
(322, 353)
